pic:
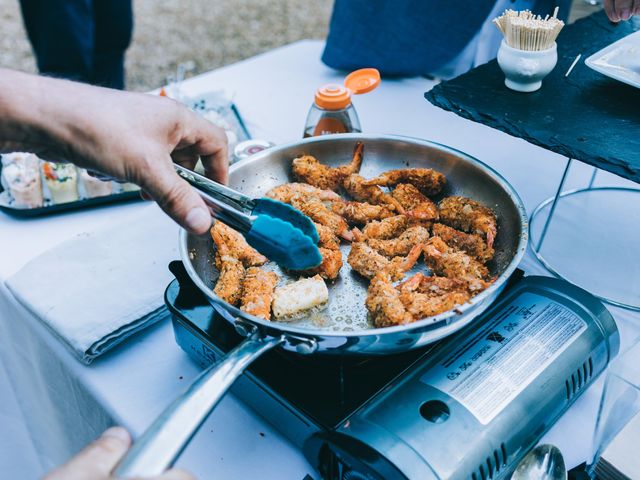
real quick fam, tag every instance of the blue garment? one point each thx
(408, 37)
(82, 40)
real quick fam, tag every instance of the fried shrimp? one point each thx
(360, 212)
(425, 296)
(231, 272)
(355, 185)
(365, 260)
(309, 170)
(469, 216)
(236, 245)
(319, 213)
(401, 245)
(331, 264)
(229, 284)
(416, 204)
(328, 238)
(383, 298)
(420, 305)
(286, 192)
(470, 243)
(387, 228)
(428, 181)
(257, 292)
(455, 264)
(329, 247)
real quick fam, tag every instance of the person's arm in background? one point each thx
(618, 10)
(99, 458)
(129, 136)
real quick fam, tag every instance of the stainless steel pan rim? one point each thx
(424, 324)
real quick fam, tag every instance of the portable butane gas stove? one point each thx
(468, 407)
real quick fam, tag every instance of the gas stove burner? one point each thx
(450, 410)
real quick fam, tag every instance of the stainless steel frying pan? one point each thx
(342, 329)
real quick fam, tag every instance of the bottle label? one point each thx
(490, 369)
(327, 126)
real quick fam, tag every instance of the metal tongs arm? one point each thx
(225, 204)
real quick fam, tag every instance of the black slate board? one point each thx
(586, 116)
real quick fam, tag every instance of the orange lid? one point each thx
(337, 97)
(333, 97)
(363, 80)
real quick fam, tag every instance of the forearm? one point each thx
(30, 118)
(128, 136)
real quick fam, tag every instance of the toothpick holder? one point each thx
(524, 69)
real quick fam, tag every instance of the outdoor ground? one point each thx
(211, 33)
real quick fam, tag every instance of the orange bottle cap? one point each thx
(363, 80)
(333, 97)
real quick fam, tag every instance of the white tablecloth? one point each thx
(52, 405)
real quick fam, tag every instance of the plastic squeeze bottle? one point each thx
(332, 110)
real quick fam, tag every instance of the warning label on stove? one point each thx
(488, 370)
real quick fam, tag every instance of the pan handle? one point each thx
(159, 446)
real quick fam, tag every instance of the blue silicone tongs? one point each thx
(277, 230)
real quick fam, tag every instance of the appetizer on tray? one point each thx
(32, 187)
(21, 179)
(62, 181)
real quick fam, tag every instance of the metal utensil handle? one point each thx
(159, 446)
(224, 208)
(218, 191)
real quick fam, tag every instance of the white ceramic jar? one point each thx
(523, 69)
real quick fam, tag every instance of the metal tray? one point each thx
(67, 206)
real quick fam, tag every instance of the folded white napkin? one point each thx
(97, 289)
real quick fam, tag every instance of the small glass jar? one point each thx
(332, 116)
(332, 110)
(249, 147)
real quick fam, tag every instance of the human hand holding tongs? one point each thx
(277, 230)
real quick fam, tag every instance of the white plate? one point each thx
(620, 60)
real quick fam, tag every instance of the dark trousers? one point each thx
(82, 40)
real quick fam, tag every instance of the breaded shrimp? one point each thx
(469, 216)
(355, 185)
(319, 213)
(328, 238)
(401, 245)
(329, 247)
(257, 292)
(383, 298)
(426, 296)
(415, 203)
(365, 260)
(287, 191)
(421, 305)
(330, 266)
(231, 273)
(388, 228)
(308, 169)
(237, 246)
(455, 264)
(360, 212)
(470, 243)
(229, 284)
(428, 181)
